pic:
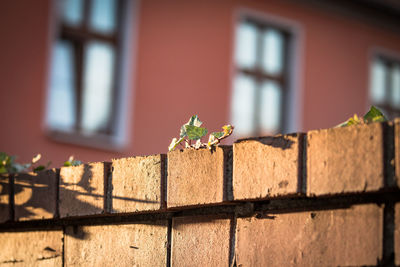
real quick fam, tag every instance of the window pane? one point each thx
(272, 60)
(395, 96)
(72, 11)
(61, 105)
(270, 107)
(378, 82)
(243, 105)
(102, 16)
(246, 40)
(97, 94)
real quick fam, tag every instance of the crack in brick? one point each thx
(48, 258)
(12, 261)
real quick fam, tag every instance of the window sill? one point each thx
(96, 141)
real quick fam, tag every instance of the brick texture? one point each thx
(197, 177)
(137, 183)
(142, 244)
(200, 241)
(347, 237)
(267, 166)
(5, 206)
(345, 160)
(38, 248)
(397, 149)
(397, 233)
(29, 192)
(82, 189)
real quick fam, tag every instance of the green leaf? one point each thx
(374, 115)
(174, 143)
(227, 129)
(193, 121)
(3, 156)
(76, 162)
(352, 121)
(194, 132)
(3, 169)
(67, 163)
(217, 134)
(39, 168)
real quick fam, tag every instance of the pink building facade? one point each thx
(179, 58)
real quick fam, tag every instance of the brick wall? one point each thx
(323, 198)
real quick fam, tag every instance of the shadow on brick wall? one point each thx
(279, 141)
(35, 195)
(80, 190)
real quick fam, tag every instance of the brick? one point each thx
(143, 244)
(267, 166)
(83, 189)
(344, 237)
(5, 206)
(29, 192)
(397, 233)
(37, 248)
(345, 160)
(200, 241)
(137, 183)
(197, 177)
(397, 149)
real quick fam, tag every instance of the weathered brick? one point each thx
(344, 237)
(397, 233)
(197, 177)
(143, 244)
(397, 149)
(267, 166)
(200, 241)
(345, 160)
(35, 195)
(5, 206)
(83, 189)
(37, 248)
(137, 183)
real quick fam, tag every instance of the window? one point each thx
(84, 69)
(385, 85)
(260, 85)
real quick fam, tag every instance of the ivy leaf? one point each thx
(352, 121)
(39, 168)
(36, 158)
(3, 169)
(198, 144)
(67, 164)
(217, 134)
(227, 129)
(193, 121)
(3, 157)
(16, 167)
(194, 132)
(374, 115)
(175, 142)
(72, 162)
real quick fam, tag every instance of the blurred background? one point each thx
(102, 79)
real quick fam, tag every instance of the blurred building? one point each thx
(101, 79)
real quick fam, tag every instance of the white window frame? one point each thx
(374, 52)
(126, 77)
(294, 114)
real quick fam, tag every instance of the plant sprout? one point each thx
(373, 115)
(191, 131)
